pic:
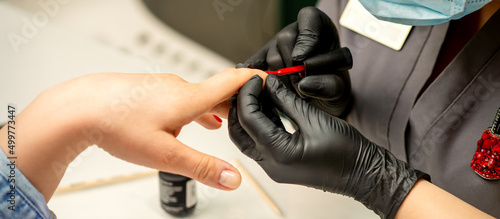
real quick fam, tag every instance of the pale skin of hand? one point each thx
(426, 200)
(135, 117)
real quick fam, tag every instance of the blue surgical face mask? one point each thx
(421, 12)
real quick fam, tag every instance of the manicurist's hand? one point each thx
(325, 152)
(135, 117)
(329, 154)
(314, 33)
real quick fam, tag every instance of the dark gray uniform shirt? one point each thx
(438, 132)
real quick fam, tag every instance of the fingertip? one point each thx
(313, 25)
(277, 90)
(209, 121)
(307, 87)
(221, 109)
(305, 91)
(262, 75)
(256, 77)
(222, 86)
(230, 179)
(226, 176)
(241, 65)
(272, 81)
(251, 88)
(298, 58)
(254, 81)
(325, 87)
(272, 77)
(249, 72)
(307, 11)
(299, 53)
(181, 159)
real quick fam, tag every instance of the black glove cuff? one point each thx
(385, 182)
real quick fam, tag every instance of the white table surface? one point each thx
(67, 47)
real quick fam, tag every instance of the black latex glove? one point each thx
(313, 33)
(325, 152)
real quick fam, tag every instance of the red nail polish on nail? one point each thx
(217, 118)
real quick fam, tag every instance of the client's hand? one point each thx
(135, 117)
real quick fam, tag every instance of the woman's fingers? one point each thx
(221, 87)
(209, 121)
(175, 157)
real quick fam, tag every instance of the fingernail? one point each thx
(229, 179)
(218, 118)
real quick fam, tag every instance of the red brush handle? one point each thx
(289, 70)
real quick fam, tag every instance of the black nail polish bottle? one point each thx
(177, 194)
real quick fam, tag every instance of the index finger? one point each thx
(253, 120)
(314, 26)
(222, 86)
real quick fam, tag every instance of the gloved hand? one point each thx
(325, 152)
(313, 33)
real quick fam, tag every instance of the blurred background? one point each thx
(235, 29)
(46, 42)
